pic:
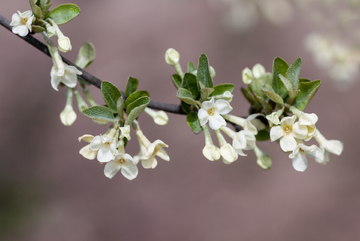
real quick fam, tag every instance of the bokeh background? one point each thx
(49, 192)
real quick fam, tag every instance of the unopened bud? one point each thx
(172, 56)
(247, 76)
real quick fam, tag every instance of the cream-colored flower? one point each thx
(299, 154)
(21, 23)
(328, 146)
(247, 76)
(68, 115)
(288, 131)
(160, 117)
(65, 74)
(125, 132)
(211, 112)
(250, 124)
(308, 120)
(210, 151)
(242, 140)
(124, 162)
(227, 96)
(227, 151)
(150, 150)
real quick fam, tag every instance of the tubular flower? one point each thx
(250, 124)
(103, 146)
(124, 162)
(66, 75)
(160, 117)
(242, 140)
(299, 154)
(150, 150)
(288, 131)
(211, 112)
(328, 146)
(227, 151)
(21, 23)
(210, 151)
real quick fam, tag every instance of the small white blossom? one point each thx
(211, 112)
(150, 150)
(125, 132)
(65, 74)
(328, 146)
(210, 151)
(103, 146)
(124, 162)
(299, 154)
(68, 116)
(172, 56)
(250, 124)
(308, 120)
(227, 151)
(242, 140)
(21, 23)
(273, 119)
(247, 76)
(288, 131)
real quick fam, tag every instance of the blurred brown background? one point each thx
(49, 192)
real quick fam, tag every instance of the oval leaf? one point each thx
(279, 67)
(193, 122)
(99, 113)
(136, 95)
(270, 93)
(203, 72)
(131, 86)
(293, 73)
(64, 13)
(191, 67)
(86, 55)
(35, 9)
(176, 80)
(135, 108)
(186, 96)
(111, 95)
(220, 89)
(190, 83)
(307, 91)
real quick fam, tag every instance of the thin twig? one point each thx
(86, 75)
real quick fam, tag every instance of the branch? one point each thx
(86, 75)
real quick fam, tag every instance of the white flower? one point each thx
(68, 116)
(124, 162)
(160, 117)
(247, 76)
(211, 152)
(172, 56)
(65, 74)
(288, 131)
(328, 146)
(211, 112)
(150, 150)
(242, 140)
(227, 96)
(21, 22)
(250, 124)
(227, 151)
(103, 146)
(125, 132)
(263, 159)
(273, 119)
(299, 154)
(308, 120)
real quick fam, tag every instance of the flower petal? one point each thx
(95, 143)
(288, 143)
(55, 81)
(216, 121)
(208, 104)
(87, 153)
(86, 138)
(276, 132)
(105, 154)
(223, 107)
(203, 116)
(300, 162)
(228, 153)
(334, 146)
(149, 163)
(130, 171)
(111, 169)
(211, 152)
(15, 20)
(21, 30)
(299, 131)
(288, 121)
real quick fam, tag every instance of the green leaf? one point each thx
(120, 106)
(37, 28)
(304, 80)
(265, 105)
(99, 113)
(35, 9)
(63, 13)
(42, 3)
(270, 93)
(45, 8)
(111, 95)
(279, 67)
(135, 108)
(204, 92)
(286, 82)
(191, 67)
(257, 84)
(292, 96)
(186, 96)
(252, 100)
(176, 80)
(307, 91)
(191, 84)
(131, 86)
(193, 122)
(293, 73)
(86, 55)
(185, 107)
(203, 72)
(220, 89)
(136, 95)
(262, 135)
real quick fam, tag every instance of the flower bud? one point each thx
(263, 159)
(212, 72)
(160, 117)
(211, 152)
(172, 56)
(247, 76)
(258, 71)
(228, 153)
(68, 116)
(64, 44)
